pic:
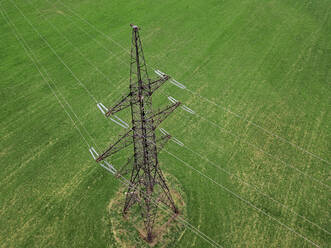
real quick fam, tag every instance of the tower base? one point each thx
(129, 231)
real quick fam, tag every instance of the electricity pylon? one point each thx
(147, 183)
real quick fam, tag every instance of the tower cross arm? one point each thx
(120, 105)
(123, 142)
(160, 116)
(158, 83)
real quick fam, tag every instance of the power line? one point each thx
(257, 147)
(257, 190)
(286, 207)
(226, 131)
(55, 53)
(204, 98)
(267, 153)
(198, 115)
(35, 62)
(27, 49)
(258, 126)
(244, 200)
(200, 172)
(91, 25)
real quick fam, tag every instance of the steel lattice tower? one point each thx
(147, 183)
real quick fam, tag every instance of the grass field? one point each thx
(269, 62)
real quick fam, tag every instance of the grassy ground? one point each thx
(269, 61)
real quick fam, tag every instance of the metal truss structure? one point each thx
(147, 182)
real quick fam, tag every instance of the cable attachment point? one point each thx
(93, 152)
(164, 131)
(118, 120)
(172, 138)
(160, 73)
(102, 108)
(184, 107)
(171, 99)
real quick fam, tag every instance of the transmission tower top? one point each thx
(135, 27)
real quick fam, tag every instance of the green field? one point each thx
(268, 61)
